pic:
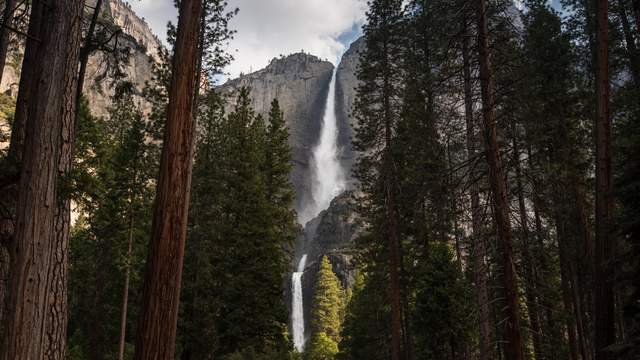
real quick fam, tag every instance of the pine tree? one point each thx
(157, 329)
(440, 307)
(37, 310)
(498, 187)
(366, 333)
(241, 166)
(327, 303)
(377, 114)
(112, 187)
(322, 348)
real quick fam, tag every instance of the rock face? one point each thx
(136, 35)
(123, 16)
(332, 234)
(346, 84)
(300, 83)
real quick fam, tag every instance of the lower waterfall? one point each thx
(297, 311)
(328, 181)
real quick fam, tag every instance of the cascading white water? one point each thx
(328, 181)
(326, 173)
(297, 311)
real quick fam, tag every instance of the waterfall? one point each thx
(328, 181)
(327, 176)
(297, 311)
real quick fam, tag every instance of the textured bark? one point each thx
(479, 250)
(513, 337)
(37, 311)
(28, 83)
(157, 329)
(605, 244)
(7, 23)
(16, 148)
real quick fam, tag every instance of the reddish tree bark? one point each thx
(16, 148)
(36, 317)
(513, 336)
(605, 244)
(157, 329)
(479, 250)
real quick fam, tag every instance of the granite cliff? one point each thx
(136, 35)
(300, 83)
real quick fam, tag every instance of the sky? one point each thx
(270, 28)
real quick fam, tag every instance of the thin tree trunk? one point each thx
(28, 83)
(585, 271)
(636, 13)
(565, 283)
(605, 244)
(157, 330)
(127, 276)
(479, 250)
(396, 333)
(85, 53)
(390, 207)
(36, 321)
(7, 23)
(498, 185)
(529, 266)
(632, 50)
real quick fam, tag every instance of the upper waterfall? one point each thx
(327, 175)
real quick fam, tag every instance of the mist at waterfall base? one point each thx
(328, 181)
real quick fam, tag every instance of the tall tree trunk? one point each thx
(632, 50)
(605, 244)
(565, 283)
(7, 23)
(551, 331)
(636, 13)
(28, 83)
(390, 206)
(479, 250)
(585, 269)
(16, 149)
(125, 291)
(36, 317)
(499, 188)
(394, 262)
(157, 330)
(528, 260)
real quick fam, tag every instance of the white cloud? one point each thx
(268, 28)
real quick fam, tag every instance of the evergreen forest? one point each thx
(490, 209)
